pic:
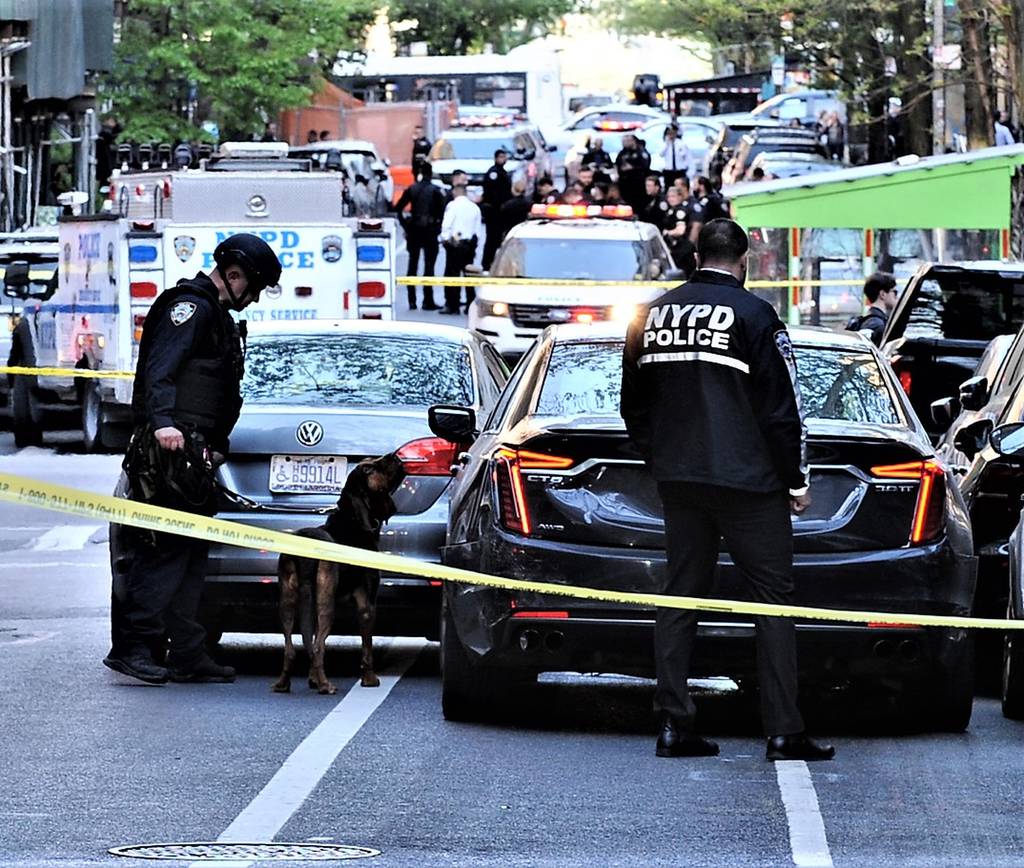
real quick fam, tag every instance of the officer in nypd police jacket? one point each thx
(710, 399)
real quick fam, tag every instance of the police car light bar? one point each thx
(617, 126)
(486, 121)
(569, 212)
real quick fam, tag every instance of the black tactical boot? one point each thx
(204, 671)
(136, 664)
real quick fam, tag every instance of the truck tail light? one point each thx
(903, 373)
(372, 289)
(428, 456)
(931, 495)
(143, 289)
(139, 320)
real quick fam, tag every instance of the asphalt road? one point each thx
(91, 760)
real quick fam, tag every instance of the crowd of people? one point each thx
(666, 199)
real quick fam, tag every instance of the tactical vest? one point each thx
(207, 387)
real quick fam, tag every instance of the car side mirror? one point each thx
(971, 439)
(1008, 440)
(452, 423)
(974, 393)
(944, 412)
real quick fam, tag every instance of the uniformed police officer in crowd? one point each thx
(420, 148)
(422, 226)
(497, 190)
(710, 399)
(680, 226)
(655, 207)
(185, 402)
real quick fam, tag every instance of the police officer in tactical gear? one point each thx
(185, 402)
(710, 399)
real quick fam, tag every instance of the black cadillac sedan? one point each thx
(551, 489)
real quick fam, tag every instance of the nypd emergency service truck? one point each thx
(164, 225)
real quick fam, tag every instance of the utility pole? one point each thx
(938, 78)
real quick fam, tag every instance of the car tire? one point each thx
(93, 425)
(948, 700)
(1013, 676)
(461, 696)
(25, 416)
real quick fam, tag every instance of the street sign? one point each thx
(778, 70)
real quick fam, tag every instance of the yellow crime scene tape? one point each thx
(72, 501)
(646, 284)
(84, 373)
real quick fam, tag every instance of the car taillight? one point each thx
(508, 466)
(429, 456)
(931, 495)
(904, 374)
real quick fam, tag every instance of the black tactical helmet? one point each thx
(253, 255)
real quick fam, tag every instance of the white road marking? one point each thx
(65, 538)
(806, 829)
(284, 794)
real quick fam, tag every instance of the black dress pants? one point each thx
(758, 534)
(164, 585)
(421, 239)
(457, 255)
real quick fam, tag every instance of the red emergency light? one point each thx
(570, 212)
(617, 126)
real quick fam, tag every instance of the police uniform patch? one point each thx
(182, 312)
(784, 344)
(493, 176)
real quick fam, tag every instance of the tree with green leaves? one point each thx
(236, 63)
(467, 26)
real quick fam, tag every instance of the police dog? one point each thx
(310, 587)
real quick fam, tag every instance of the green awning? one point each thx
(954, 191)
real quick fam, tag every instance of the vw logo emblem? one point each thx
(309, 433)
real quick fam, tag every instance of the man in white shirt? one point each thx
(461, 228)
(1003, 134)
(675, 154)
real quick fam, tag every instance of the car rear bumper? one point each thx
(599, 636)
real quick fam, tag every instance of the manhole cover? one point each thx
(214, 851)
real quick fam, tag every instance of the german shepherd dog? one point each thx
(310, 587)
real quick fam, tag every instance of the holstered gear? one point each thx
(183, 479)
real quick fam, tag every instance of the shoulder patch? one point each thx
(784, 344)
(182, 312)
(493, 176)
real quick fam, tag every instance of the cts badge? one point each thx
(309, 433)
(184, 247)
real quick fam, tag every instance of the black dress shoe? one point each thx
(203, 672)
(797, 747)
(450, 311)
(674, 742)
(429, 305)
(136, 665)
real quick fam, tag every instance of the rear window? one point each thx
(360, 369)
(973, 307)
(584, 379)
(588, 258)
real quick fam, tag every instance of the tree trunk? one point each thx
(978, 73)
(916, 68)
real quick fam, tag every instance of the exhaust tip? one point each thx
(909, 651)
(884, 648)
(554, 640)
(529, 640)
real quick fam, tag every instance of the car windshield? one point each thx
(584, 379)
(575, 257)
(470, 147)
(360, 369)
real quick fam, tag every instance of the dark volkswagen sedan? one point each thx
(317, 401)
(553, 490)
